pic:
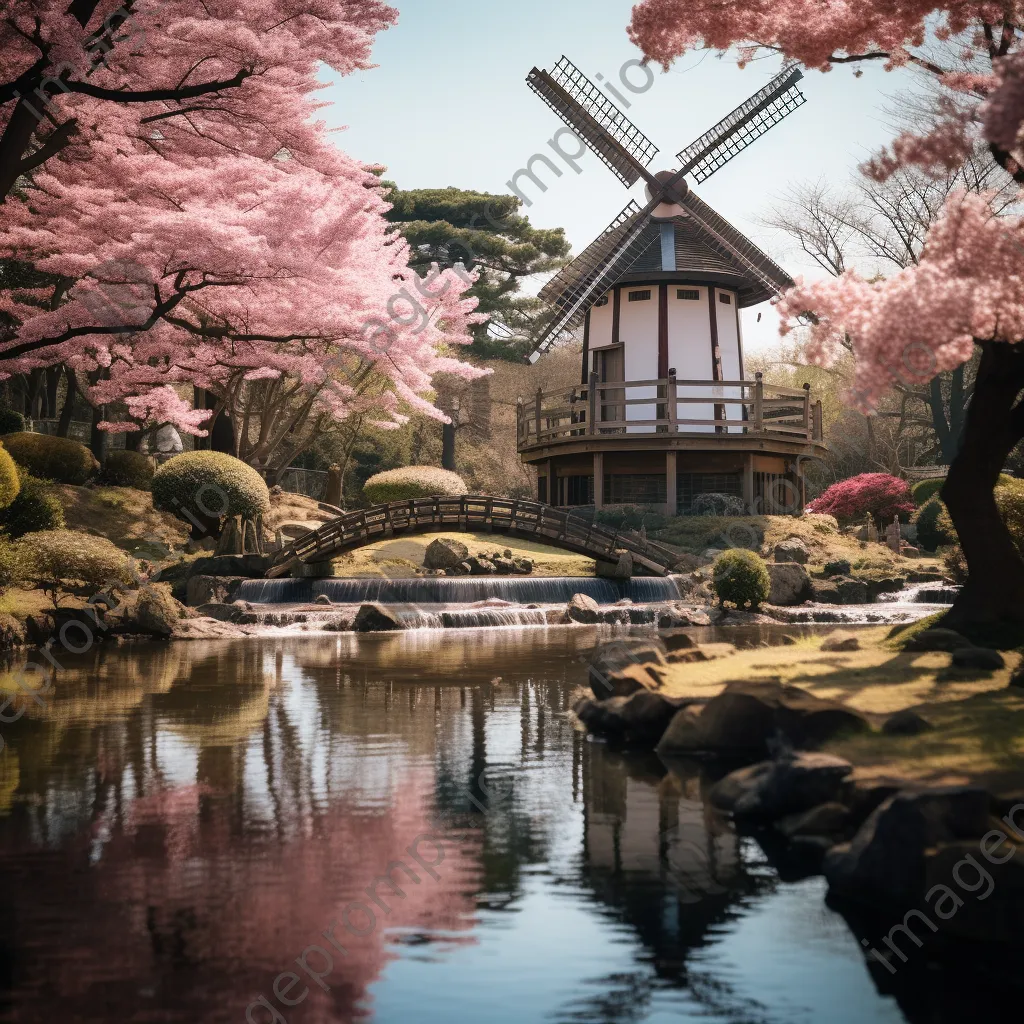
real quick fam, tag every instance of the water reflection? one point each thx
(182, 821)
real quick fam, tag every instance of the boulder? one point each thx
(906, 723)
(480, 566)
(677, 640)
(885, 863)
(201, 590)
(150, 610)
(524, 566)
(937, 639)
(638, 719)
(620, 570)
(323, 599)
(727, 792)
(829, 820)
(888, 585)
(838, 567)
(851, 591)
(626, 680)
(444, 554)
(793, 785)
(825, 592)
(840, 642)
(247, 566)
(203, 628)
(750, 719)
(505, 566)
(614, 668)
(222, 612)
(582, 608)
(376, 618)
(792, 550)
(908, 551)
(978, 658)
(790, 583)
(683, 735)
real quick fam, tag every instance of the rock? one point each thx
(749, 719)
(677, 640)
(906, 723)
(839, 567)
(151, 610)
(825, 592)
(683, 735)
(248, 566)
(479, 566)
(582, 608)
(839, 641)
(978, 658)
(851, 591)
(937, 639)
(222, 612)
(829, 820)
(203, 628)
(375, 618)
(792, 550)
(793, 785)
(12, 632)
(908, 551)
(524, 566)
(505, 566)
(620, 669)
(507, 552)
(885, 863)
(889, 585)
(646, 716)
(621, 570)
(323, 599)
(727, 792)
(78, 627)
(686, 563)
(38, 629)
(790, 583)
(462, 569)
(200, 590)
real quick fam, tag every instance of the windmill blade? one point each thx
(748, 122)
(573, 291)
(595, 119)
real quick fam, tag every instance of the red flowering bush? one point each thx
(877, 494)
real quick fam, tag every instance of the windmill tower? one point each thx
(664, 413)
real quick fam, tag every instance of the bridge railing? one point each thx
(470, 513)
(670, 406)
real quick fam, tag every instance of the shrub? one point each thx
(822, 523)
(876, 494)
(10, 565)
(209, 486)
(128, 469)
(712, 504)
(60, 561)
(52, 458)
(742, 578)
(10, 483)
(1009, 495)
(932, 531)
(925, 490)
(955, 564)
(11, 422)
(840, 567)
(629, 517)
(413, 482)
(34, 509)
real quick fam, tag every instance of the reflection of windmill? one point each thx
(686, 272)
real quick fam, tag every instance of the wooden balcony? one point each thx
(671, 413)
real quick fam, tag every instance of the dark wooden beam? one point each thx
(585, 376)
(616, 314)
(663, 332)
(716, 352)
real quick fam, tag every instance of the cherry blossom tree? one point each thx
(966, 289)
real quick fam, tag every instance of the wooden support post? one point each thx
(819, 422)
(592, 398)
(539, 404)
(759, 403)
(671, 478)
(807, 411)
(519, 419)
(599, 480)
(748, 484)
(673, 403)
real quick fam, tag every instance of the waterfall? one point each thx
(470, 590)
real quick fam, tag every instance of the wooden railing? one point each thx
(670, 406)
(473, 514)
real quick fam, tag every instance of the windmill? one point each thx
(671, 206)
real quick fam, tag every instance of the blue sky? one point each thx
(448, 105)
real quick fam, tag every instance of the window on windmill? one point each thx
(726, 300)
(689, 294)
(643, 296)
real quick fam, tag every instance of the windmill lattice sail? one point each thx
(595, 119)
(747, 123)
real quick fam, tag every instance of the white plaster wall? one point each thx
(729, 342)
(638, 332)
(601, 325)
(689, 352)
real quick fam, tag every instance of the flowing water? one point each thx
(182, 824)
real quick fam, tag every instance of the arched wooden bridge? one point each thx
(471, 514)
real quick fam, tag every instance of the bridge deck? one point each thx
(471, 514)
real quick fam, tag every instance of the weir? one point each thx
(517, 590)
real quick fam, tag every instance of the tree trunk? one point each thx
(97, 437)
(994, 592)
(64, 423)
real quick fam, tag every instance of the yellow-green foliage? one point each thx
(52, 458)
(931, 527)
(413, 482)
(128, 469)
(10, 565)
(925, 490)
(209, 485)
(34, 509)
(1010, 502)
(741, 577)
(9, 482)
(60, 561)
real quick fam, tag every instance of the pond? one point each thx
(202, 832)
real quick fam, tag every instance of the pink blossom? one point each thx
(875, 494)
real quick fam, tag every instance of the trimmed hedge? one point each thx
(209, 486)
(34, 509)
(61, 561)
(128, 469)
(931, 530)
(52, 458)
(413, 482)
(924, 491)
(742, 578)
(11, 422)
(10, 484)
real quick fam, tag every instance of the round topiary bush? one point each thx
(741, 577)
(876, 494)
(205, 487)
(932, 531)
(10, 484)
(11, 422)
(34, 509)
(128, 469)
(52, 458)
(925, 490)
(413, 482)
(62, 561)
